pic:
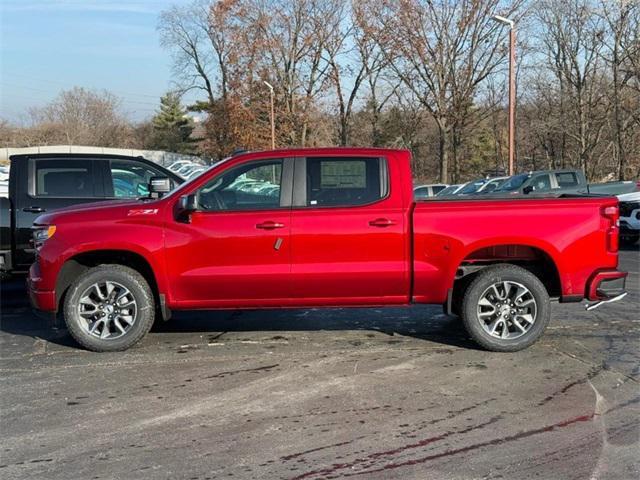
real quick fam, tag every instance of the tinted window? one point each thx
(541, 183)
(448, 191)
(344, 181)
(422, 192)
(253, 186)
(566, 179)
(64, 178)
(438, 188)
(513, 183)
(472, 187)
(131, 179)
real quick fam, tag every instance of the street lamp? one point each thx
(273, 120)
(512, 88)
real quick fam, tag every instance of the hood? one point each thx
(629, 197)
(98, 210)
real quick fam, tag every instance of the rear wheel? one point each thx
(109, 308)
(506, 308)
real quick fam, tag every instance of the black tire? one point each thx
(495, 275)
(138, 288)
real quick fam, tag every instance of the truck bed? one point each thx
(568, 234)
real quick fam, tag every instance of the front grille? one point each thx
(626, 208)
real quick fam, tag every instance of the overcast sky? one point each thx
(50, 45)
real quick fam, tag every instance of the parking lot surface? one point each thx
(310, 394)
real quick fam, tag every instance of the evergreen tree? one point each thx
(172, 128)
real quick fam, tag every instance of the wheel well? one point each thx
(82, 262)
(535, 260)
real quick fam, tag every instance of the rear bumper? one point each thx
(606, 285)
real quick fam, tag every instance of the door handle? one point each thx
(34, 209)
(381, 222)
(269, 225)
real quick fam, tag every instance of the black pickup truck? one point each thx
(43, 182)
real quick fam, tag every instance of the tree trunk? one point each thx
(443, 144)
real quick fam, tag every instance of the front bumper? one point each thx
(42, 300)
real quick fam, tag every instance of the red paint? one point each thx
(391, 252)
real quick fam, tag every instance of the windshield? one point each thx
(472, 187)
(513, 183)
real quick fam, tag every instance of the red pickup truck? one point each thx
(322, 227)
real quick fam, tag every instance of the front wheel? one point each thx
(109, 308)
(505, 308)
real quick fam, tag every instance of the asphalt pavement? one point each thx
(311, 394)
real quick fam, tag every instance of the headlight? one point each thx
(42, 234)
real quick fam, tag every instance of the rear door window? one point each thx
(566, 179)
(68, 178)
(344, 182)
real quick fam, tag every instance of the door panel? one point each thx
(355, 254)
(53, 184)
(225, 258)
(235, 251)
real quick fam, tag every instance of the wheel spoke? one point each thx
(527, 317)
(487, 314)
(484, 302)
(98, 291)
(494, 325)
(94, 325)
(116, 322)
(518, 325)
(507, 289)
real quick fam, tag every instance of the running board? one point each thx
(593, 306)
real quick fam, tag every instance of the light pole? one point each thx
(512, 89)
(273, 120)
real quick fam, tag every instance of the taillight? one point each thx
(612, 213)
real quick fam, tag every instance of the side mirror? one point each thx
(158, 186)
(528, 189)
(187, 204)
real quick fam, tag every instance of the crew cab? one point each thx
(43, 182)
(342, 229)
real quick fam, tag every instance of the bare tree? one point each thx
(441, 51)
(184, 30)
(83, 117)
(573, 39)
(622, 19)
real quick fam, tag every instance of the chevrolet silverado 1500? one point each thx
(325, 228)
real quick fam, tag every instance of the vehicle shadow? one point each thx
(424, 322)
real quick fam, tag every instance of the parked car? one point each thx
(629, 217)
(561, 181)
(492, 184)
(4, 173)
(344, 231)
(450, 190)
(426, 191)
(195, 172)
(175, 166)
(185, 169)
(45, 182)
